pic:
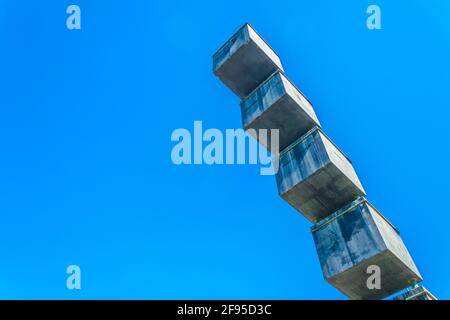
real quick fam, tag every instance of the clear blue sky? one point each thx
(86, 117)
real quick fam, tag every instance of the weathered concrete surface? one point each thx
(245, 61)
(358, 236)
(315, 177)
(278, 104)
(417, 293)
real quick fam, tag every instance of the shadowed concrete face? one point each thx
(417, 293)
(245, 61)
(278, 104)
(356, 237)
(316, 178)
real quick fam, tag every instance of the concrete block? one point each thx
(417, 293)
(245, 61)
(315, 177)
(278, 104)
(358, 236)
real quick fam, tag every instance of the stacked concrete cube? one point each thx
(315, 177)
(245, 61)
(277, 103)
(356, 237)
(415, 293)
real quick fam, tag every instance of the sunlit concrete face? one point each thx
(417, 293)
(356, 237)
(245, 61)
(278, 104)
(315, 177)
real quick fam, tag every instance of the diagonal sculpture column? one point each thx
(315, 176)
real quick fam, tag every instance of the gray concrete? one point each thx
(245, 61)
(417, 293)
(356, 237)
(278, 104)
(315, 177)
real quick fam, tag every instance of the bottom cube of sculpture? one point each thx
(417, 293)
(357, 244)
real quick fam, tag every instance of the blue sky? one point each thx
(86, 117)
